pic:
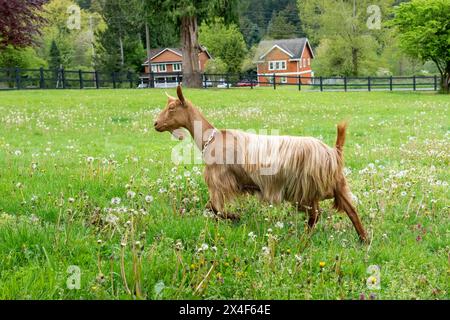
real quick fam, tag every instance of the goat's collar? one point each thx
(209, 140)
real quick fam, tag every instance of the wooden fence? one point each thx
(17, 79)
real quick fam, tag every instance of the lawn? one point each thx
(88, 192)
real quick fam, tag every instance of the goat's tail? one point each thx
(340, 140)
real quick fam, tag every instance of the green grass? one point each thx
(55, 205)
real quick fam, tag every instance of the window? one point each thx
(277, 65)
(177, 67)
(154, 68)
(309, 61)
(283, 80)
(162, 68)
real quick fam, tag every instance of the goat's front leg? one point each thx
(216, 204)
(314, 213)
(223, 188)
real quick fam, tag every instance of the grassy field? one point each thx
(88, 191)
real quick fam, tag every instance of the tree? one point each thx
(189, 14)
(55, 60)
(216, 66)
(75, 43)
(250, 31)
(224, 42)
(120, 46)
(280, 28)
(21, 21)
(424, 32)
(344, 23)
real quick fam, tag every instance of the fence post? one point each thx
(414, 82)
(368, 84)
(251, 82)
(321, 83)
(63, 77)
(17, 71)
(274, 81)
(80, 77)
(345, 83)
(435, 82)
(130, 79)
(113, 76)
(299, 83)
(41, 78)
(390, 83)
(97, 81)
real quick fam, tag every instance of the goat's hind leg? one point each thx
(342, 202)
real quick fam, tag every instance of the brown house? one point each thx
(286, 58)
(167, 66)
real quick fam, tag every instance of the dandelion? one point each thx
(71, 200)
(162, 190)
(372, 280)
(187, 174)
(99, 241)
(279, 225)
(148, 198)
(203, 247)
(321, 264)
(19, 185)
(34, 198)
(403, 193)
(252, 236)
(354, 198)
(115, 200)
(179, 245)
(112, 219)
(131, 194)
(90, 159)
(299, 258)
(265, 251)
(18, 153)
(34, 219)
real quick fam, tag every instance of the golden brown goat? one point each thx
(302, 170)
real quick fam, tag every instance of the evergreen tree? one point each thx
(280, 28)
(55, 60)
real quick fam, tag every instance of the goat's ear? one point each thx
(180, 94)
(169, 96)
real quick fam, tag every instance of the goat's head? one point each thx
(175, 115)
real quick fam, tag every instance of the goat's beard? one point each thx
(179, 134)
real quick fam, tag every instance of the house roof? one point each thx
(179, 51)
(292, 47)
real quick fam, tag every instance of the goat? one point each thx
(301, 170)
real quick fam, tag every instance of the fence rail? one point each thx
(18, 79)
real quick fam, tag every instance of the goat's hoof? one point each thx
(229, 216)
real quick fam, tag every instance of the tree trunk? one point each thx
(445, 80)
(122, 58)
(147, 41)
(355, 61)
(189, 39)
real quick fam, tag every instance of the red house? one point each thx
(287, 58)
(167, 65)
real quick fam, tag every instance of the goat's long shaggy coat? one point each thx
(302, 170)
